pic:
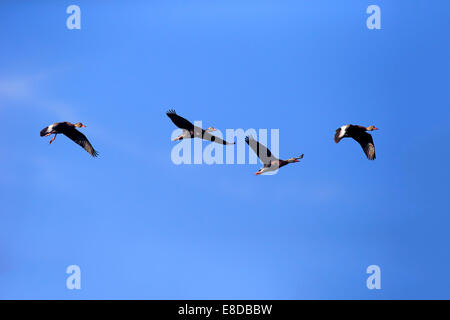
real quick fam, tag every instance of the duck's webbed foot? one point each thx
(52, 139)
(178, 138)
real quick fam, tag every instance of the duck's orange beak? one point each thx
(258, 173)
(83, 126)
(375, 128)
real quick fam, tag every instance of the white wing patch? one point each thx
(343, 131)
(50, 128)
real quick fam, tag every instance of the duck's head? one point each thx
(79, 125)
(260, 171)
(291, 160)
(371, 128)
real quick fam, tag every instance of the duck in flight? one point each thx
(190, 131)
(70, 130)
(359, 134)
(271, 163)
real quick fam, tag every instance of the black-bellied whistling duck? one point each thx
(191, 131)
(271, 163)
(69, 130)
(360, 135)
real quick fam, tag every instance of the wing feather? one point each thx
(80, 139)
(337, 136)
(209, 137)
(261, 151)
(179, 121)
(366, 142)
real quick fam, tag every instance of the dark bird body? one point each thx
(70, 130)
(271, 163)
(190, 131)
(359, 134)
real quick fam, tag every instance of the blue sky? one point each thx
(141, 227)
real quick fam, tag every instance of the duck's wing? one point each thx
(80, 139)
(338, 136)
(261, 151)
(45, 131)
(53, 128)
(366, 142)
(340, 133)
(180, 122)
(209, 137)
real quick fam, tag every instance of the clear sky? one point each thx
(141, 227)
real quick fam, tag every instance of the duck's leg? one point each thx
(178, 138)
(52, 139)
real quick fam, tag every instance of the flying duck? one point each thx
(69, 130)
(359, 134)
(271, 163)
(191, 131)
